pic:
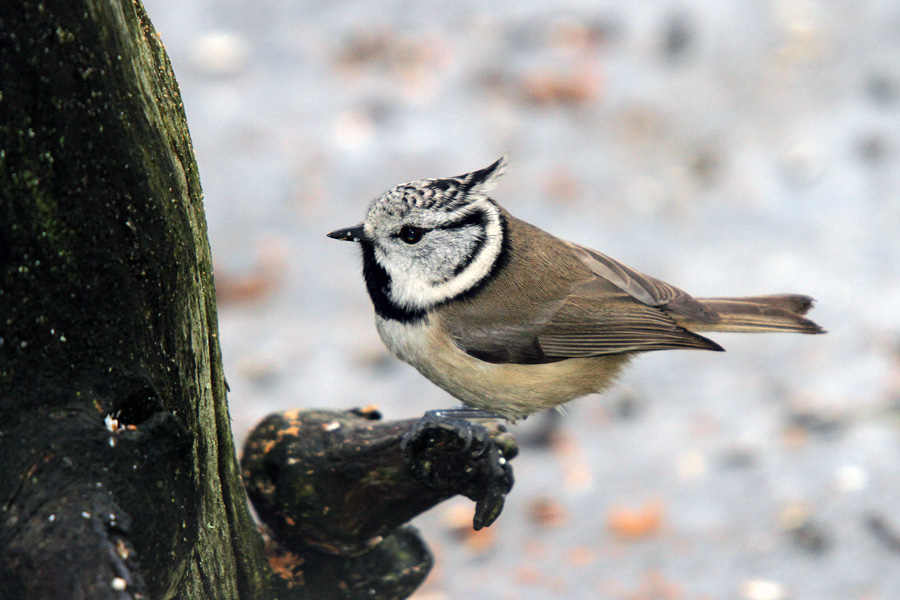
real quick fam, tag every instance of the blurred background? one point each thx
(730, 148)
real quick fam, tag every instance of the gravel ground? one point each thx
(727, 147)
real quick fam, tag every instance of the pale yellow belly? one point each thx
(512, 390)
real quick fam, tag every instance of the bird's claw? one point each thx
(460, 456)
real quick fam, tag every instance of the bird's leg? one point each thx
(463, 412)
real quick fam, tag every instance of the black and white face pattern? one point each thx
(430, 241)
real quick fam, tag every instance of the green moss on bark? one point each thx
(106, 297)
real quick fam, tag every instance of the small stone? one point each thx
(761, 589)
(635, 523)
(547, 511)
(882, 90)
(808, 534)
(220, 52)
(691, 465)
(678, 37)
(851, 478)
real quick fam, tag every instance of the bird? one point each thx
(512, 320)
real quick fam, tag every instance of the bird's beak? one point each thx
(350, 234)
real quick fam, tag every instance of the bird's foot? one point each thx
(465, 457)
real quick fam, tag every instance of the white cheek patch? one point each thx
(415, 292)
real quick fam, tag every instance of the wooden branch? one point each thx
(336, 487)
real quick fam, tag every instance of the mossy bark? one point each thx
(114, 433)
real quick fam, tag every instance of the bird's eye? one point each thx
(410, 234)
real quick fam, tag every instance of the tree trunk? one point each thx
(118, 475)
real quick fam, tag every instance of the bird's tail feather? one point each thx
(782, 312)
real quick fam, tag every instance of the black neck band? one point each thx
(378, 284)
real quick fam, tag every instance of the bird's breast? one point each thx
(511, 390)
(408, 341)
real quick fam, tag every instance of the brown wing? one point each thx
(588, 326)
(601, 307)
(582, 326)
(643, 288)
